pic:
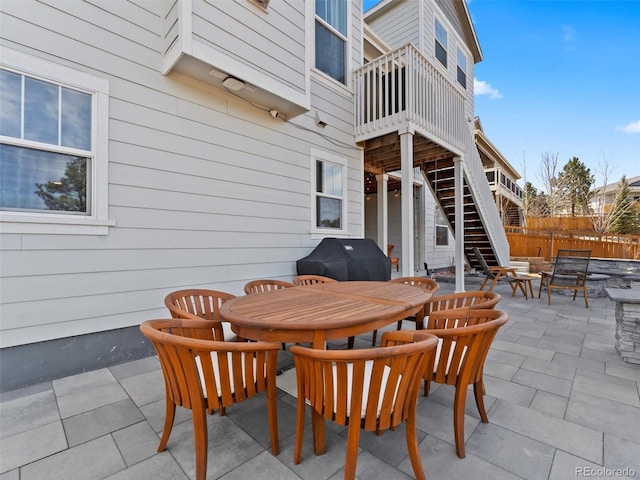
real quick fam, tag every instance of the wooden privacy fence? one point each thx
(524, 242)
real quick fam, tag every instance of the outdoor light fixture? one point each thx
(263, 3)
(233, 83)
(320, 119)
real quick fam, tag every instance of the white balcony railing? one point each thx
(502, 184)
(402, 87)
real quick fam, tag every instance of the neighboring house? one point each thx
(502, 178)
(147, 147)
(606, 195)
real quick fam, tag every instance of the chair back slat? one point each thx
(265, 285)
(571, 262)
(371, 381)
(306, 280)
(480, 299)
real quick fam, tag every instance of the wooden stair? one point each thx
(440, 175)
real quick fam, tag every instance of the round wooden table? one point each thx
(317, 313)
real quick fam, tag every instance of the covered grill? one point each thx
(346, 259)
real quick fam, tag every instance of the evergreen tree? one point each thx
(576, 181)
(624, 219)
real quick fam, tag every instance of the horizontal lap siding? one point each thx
(238, 29)
(399, 25)
(205, 190)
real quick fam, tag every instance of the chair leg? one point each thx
(427, 387)
(459, 402)
(350, 342)
(297, 450)
(412, 447)
(541, 282)
(169, 416)
(399, 325)
(478, 392)
(586, 299)
(375, 338)
(351, 456)
(200, 441)
(272, 414)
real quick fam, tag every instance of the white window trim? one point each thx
(466, 73)
(328, 79)
(315, 231)
(446, 26)
(97, 223)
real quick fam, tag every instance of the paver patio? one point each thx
(561, 403)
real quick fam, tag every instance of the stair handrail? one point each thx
(483, 198)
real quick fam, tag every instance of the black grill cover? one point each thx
(346, 259)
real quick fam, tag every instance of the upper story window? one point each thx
(331, 38)
(53, 140)
(328, 199)
(441, 43)
(462, 68)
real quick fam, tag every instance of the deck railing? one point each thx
(402, 87)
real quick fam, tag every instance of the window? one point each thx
(442, 229)
(441, 43)
(462, 69)
(331, 38)
(328, 199)
(53, 148)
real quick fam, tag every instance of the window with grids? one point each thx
(462, 69)
(331, 38)
(441, 43)
(442, 229)
(53, 147)
(329, 192)
(46, 150)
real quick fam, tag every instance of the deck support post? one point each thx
(406, 202)
(383, 211)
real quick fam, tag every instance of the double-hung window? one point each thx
(462, 68)
(328, 198)
(53, 129)
(331, 38)
(441, 43)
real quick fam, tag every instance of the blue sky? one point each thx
(561, 77)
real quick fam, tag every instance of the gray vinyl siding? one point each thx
(449, 11)
(205, 190)
(399, 25)
(237, 28)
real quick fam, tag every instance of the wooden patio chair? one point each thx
(305, 280)
(505, 274)
(374, 389)
(464, 340)
(202, 372)
(266, 285)
(472, 300)
(428, 284)
(203, 304)
(394, 260)
(569, 273)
